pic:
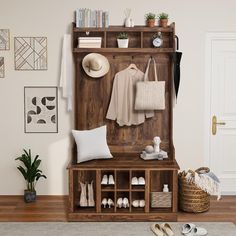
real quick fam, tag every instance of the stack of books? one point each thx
(89, 42)
(88, 18)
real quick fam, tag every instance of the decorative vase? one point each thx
(123, 43)
(165, 188)
(29, 196)
(128, 22)
(163, 22)
(151, 22)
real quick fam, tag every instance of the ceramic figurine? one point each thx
(156, 142)
(149, 149)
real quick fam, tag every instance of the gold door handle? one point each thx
(215, 123)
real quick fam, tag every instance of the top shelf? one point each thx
(139, 28)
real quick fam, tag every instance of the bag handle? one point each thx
(147, 69)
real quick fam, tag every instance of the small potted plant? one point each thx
(123, 40)
(150, 19)
(163, 19)
(31, 173)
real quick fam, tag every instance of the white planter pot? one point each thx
(123, 43)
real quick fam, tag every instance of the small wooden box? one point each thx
(161, 199)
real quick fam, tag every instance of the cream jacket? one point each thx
(121, 106)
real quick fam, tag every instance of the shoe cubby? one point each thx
(139, 186)
(159, 200)
(84, 177)
(122, 206)
(122, 180)
(138, 201)
(106, 205)
(110, 183)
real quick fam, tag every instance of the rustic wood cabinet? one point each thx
(92, 98)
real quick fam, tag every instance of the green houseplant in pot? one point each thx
(123, 40)
(163, 19)
(31, 173)
(150, 19)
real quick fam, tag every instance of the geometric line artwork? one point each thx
(41, 110)
(4, 39)
(30, 53)
(2, 69)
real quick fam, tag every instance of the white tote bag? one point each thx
(150, 95)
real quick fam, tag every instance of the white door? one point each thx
(221, 103)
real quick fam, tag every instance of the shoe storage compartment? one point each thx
(85, 177)
(159, 200)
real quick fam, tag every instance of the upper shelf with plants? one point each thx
(118, 39)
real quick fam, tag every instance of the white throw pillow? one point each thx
(91, 144)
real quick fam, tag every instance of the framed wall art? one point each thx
(30, 53)
(41, 109)
(4, 39)
(2, 67)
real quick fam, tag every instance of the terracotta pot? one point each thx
(151, 23)
(164, 22)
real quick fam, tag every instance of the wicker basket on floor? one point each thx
(192, 198)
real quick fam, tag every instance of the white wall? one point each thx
(52, 19)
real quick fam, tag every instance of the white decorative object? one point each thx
(83, 200)
(156, 142)
(149, 149)
(123, 43)
(91, 144)
(128, 20)
(165, 188)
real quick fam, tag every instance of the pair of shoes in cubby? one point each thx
(138, 181)
(123, 202)
(108, 180)
(108, 202)
(138, 203)
(86, 195)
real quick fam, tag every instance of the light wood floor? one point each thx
(53, 208)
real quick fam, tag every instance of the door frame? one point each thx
(210, 37)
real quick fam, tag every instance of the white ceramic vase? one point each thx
(123, 43)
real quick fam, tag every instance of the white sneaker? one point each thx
(111, 180)
(141, 181)
(104, 180)
(134, 181)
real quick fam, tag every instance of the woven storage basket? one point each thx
(160, 199)
(192, 198)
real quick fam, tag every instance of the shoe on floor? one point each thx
(187, 228)
(167, 229)
(157, 230)
(198, 231)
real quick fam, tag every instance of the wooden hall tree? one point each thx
(92, 97)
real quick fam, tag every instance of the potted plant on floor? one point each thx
(163, 19)
(150, 19)
(31, 173)
(123, 40)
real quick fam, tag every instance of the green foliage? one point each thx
(30, 169)
(163, 16)
(122, 35)
(150, 16)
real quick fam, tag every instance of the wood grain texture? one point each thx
(54, 208)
